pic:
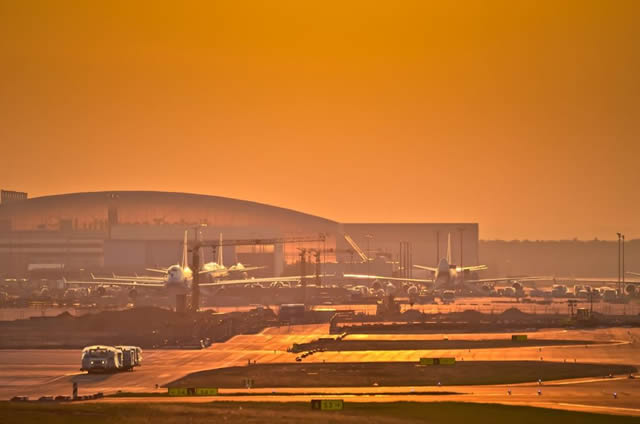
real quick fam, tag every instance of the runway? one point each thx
(36, 373)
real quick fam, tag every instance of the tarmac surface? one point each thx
(36, 373)
(485, 305)
(497, 305)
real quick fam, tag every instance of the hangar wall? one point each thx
(428, 241)
(126, 231)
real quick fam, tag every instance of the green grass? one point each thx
(249, 412)
(358, 345)
(231, 392)
(366, 374)
(137, 394)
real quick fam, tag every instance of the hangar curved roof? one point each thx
(96, 211)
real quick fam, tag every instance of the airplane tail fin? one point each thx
(184, 263)
(449, 249)
(220, 255)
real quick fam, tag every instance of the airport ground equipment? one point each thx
(292, 313)
(100, 358)
(131, 356)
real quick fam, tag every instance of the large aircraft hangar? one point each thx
(124, 231)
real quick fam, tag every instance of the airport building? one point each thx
(120, 231)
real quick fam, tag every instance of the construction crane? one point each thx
(355, 247)
(363, 256)
(197, 245)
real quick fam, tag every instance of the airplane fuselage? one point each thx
(446, 276)
(178, 276)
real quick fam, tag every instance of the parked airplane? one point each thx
(631, 286)
(451, 277)
(175, 276)
(447, 276)
(217, 269)
(180, 276)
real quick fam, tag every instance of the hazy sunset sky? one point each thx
(523, 116)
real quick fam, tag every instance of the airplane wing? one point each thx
(378, 277)
(139, 277)
(258, 280)
(159, 270)
(495, 280)
(245, 268)
(214, 272)
(123, 281)
(426, 268)
(226, 271)
(472, 268)
(118, 283)
(637, 274)
(566, 280)
(593, 280)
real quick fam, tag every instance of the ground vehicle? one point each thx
(559, 290)
(131, 356)
(100, 358)
(609, 294)
(509, 292)
(448, 296)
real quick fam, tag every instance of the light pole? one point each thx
(619, 239)
(622, 288)
(437, 247)
(195, 282)
(368, 237)
(461, 244)
(197, 233)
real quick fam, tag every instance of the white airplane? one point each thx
(175, 276)
(446, 275)
(217, 269)
(180, 276)
(631, 286)
(449, 276)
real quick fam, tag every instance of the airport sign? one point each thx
(437, 361)
(192, 391)
(327, 404)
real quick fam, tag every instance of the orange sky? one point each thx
(524, 118)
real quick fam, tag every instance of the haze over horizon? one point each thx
(522, 117)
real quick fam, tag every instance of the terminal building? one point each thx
(128, 231)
